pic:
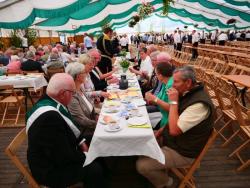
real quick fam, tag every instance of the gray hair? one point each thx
(187, 72)
(73, 69)
(154, 54)
(85, 59)
(30, 55)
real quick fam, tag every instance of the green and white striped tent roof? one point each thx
(74, 16)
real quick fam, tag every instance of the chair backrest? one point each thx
(197, 161)
(13, 92)
(242, 113)
(11, 151)
(26, 72)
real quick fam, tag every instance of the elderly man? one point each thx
(190, 125)
(54, 156)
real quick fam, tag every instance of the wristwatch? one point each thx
(156, 100)
(173, 102)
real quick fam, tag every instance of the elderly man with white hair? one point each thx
(31, 64)
(54, 156)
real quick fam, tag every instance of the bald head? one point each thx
(163, 57)
(58, 84)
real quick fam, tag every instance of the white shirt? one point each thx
(123, 41)
(247, 35)
(213, 36)
(89, 105)
(222, 36)
(192, 116)
(195, 38)
(146, 66)
(177, 38)
(88, 42)
(238, 35)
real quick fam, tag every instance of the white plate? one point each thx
(139, 102)
(137, 121)
(105, 123)
(111, 110)
(107, 128)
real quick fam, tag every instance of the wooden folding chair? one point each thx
(12, 99)
(186, 174)
(244, 130)
(11, 152)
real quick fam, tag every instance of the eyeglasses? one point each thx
(71, 91)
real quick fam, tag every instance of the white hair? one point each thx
(58, 82)
(73, 69)
(85, 59)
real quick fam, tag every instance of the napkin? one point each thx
(140, 126)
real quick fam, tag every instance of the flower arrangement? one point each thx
(145, 10)
(123, 53)
(166, 6)
(131, 23)
(124, 63)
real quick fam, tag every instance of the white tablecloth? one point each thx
(126, 142)
(31, 81)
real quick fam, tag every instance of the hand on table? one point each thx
(105, 94)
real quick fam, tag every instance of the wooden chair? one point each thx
(51, 72)
(244, 130)
(12, 99)
(11, 152)
(186, 174)
(30, 72)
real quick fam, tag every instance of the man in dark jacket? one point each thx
(104, 45)
(31, 64)
(190, 125)
(54, 155)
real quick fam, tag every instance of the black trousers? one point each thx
(92, 176)
(222, 42)
(202, 41)
(194, 50)
(213, 42)
(178, 46)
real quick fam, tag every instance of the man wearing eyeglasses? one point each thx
(54, 142)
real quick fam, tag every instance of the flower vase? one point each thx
(124, 70)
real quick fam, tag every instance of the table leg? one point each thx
(26, 91)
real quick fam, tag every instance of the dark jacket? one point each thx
(53, 155)
(98, 83)
(31, 65)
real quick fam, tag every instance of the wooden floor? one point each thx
(217, 170)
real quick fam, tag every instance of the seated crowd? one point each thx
(59, 122)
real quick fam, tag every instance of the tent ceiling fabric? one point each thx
(75, 16)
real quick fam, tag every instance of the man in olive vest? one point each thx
(54, 156)
(190, 125)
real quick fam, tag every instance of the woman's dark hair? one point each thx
(165, 69)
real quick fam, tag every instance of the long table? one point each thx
(129, 140)
(24, 82)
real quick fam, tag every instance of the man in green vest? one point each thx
(55, 144)
(190, 125)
